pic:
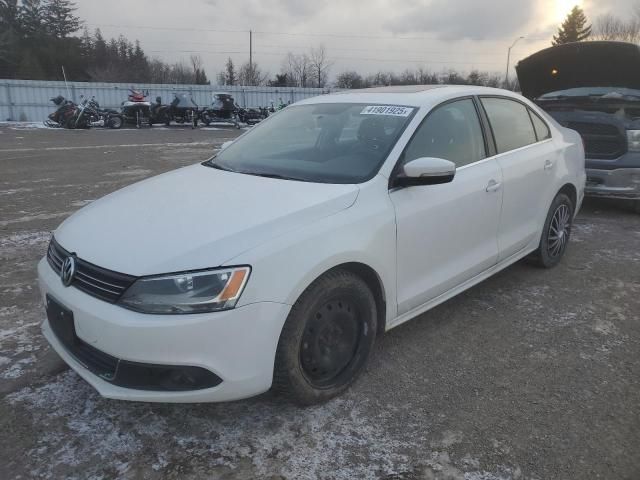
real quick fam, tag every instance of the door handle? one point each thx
(548, 165)
(493, 186)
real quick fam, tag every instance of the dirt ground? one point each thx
(533, 374)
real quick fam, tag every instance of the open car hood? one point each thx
(580, 64)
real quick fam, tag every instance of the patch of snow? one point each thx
(17, 369)
(23, 125)
(82, 203)
(132, 172)
(25, 239)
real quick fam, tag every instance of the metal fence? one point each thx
(29, 100)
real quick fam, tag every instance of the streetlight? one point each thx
(506, 75)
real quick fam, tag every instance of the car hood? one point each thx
(580, 64)
(195, 217)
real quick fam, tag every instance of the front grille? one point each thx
(98, 282)
(601, 140)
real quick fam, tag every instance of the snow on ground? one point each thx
(262, 437)
(23, 125)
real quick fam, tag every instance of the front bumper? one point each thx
(619, 183)
(237, 345)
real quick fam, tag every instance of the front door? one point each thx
(447, 234)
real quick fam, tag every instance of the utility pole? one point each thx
(506, 75)
(251, 50)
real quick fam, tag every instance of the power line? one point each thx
(266, 32)
(365, 59)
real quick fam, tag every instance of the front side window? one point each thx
(510, 122)
(451, 131)
(323, 143)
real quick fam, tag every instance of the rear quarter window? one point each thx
(540, 126)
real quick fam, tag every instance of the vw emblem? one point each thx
(68, 271)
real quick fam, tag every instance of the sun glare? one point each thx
(563, 7)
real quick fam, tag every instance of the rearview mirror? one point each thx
(426, 171)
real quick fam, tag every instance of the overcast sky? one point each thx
(363, 35)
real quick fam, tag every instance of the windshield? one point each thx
(323, 143)
(612, 93)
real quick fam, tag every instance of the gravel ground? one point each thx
(534, 374)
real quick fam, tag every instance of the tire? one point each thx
(115, 122)
(555, 234)
(204, 118)
(326, 340)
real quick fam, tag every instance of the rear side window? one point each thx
(510, 122)
(541, 128)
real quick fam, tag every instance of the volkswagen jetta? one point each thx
(277, 262)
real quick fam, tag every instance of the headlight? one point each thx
(633, 140)
(189, 292)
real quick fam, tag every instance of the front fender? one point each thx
(284, 267)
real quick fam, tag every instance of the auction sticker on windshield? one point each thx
(386, 110)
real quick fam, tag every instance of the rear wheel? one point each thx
(556, 233)
(115, 122)
(326, 340)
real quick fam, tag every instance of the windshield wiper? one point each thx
(274, 175)
(217, 166)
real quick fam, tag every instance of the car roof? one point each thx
(407, 95)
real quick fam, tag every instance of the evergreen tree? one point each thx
(99, 48)
(8, 37)
(31, 15)
(573, 29)
(230, 73)
(59, 18)
(86, 44)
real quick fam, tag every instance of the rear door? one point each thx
(527, 157)
(447, 234)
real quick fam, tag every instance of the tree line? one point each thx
(37, 37)
(36, 40)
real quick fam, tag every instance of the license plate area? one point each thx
(61, 322)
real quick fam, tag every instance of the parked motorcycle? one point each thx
(89, 114)
(182, 110)
(65, 110)
(104, 117)
(160, 112)
(222, 110)
(137, 109)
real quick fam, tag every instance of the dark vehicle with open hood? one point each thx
(594, 88)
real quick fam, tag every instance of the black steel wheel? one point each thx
(327, 338)
(330, 341)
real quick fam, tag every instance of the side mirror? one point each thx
(226, 144)
(426, 171)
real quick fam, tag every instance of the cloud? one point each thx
(477, 20)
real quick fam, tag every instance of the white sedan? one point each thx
(277, 262)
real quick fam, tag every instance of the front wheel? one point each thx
(556, 233)
(326, 339)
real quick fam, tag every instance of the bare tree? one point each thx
(610, 27)
(298, 69)
(252, 75)
(350, 79)
(320, 66)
